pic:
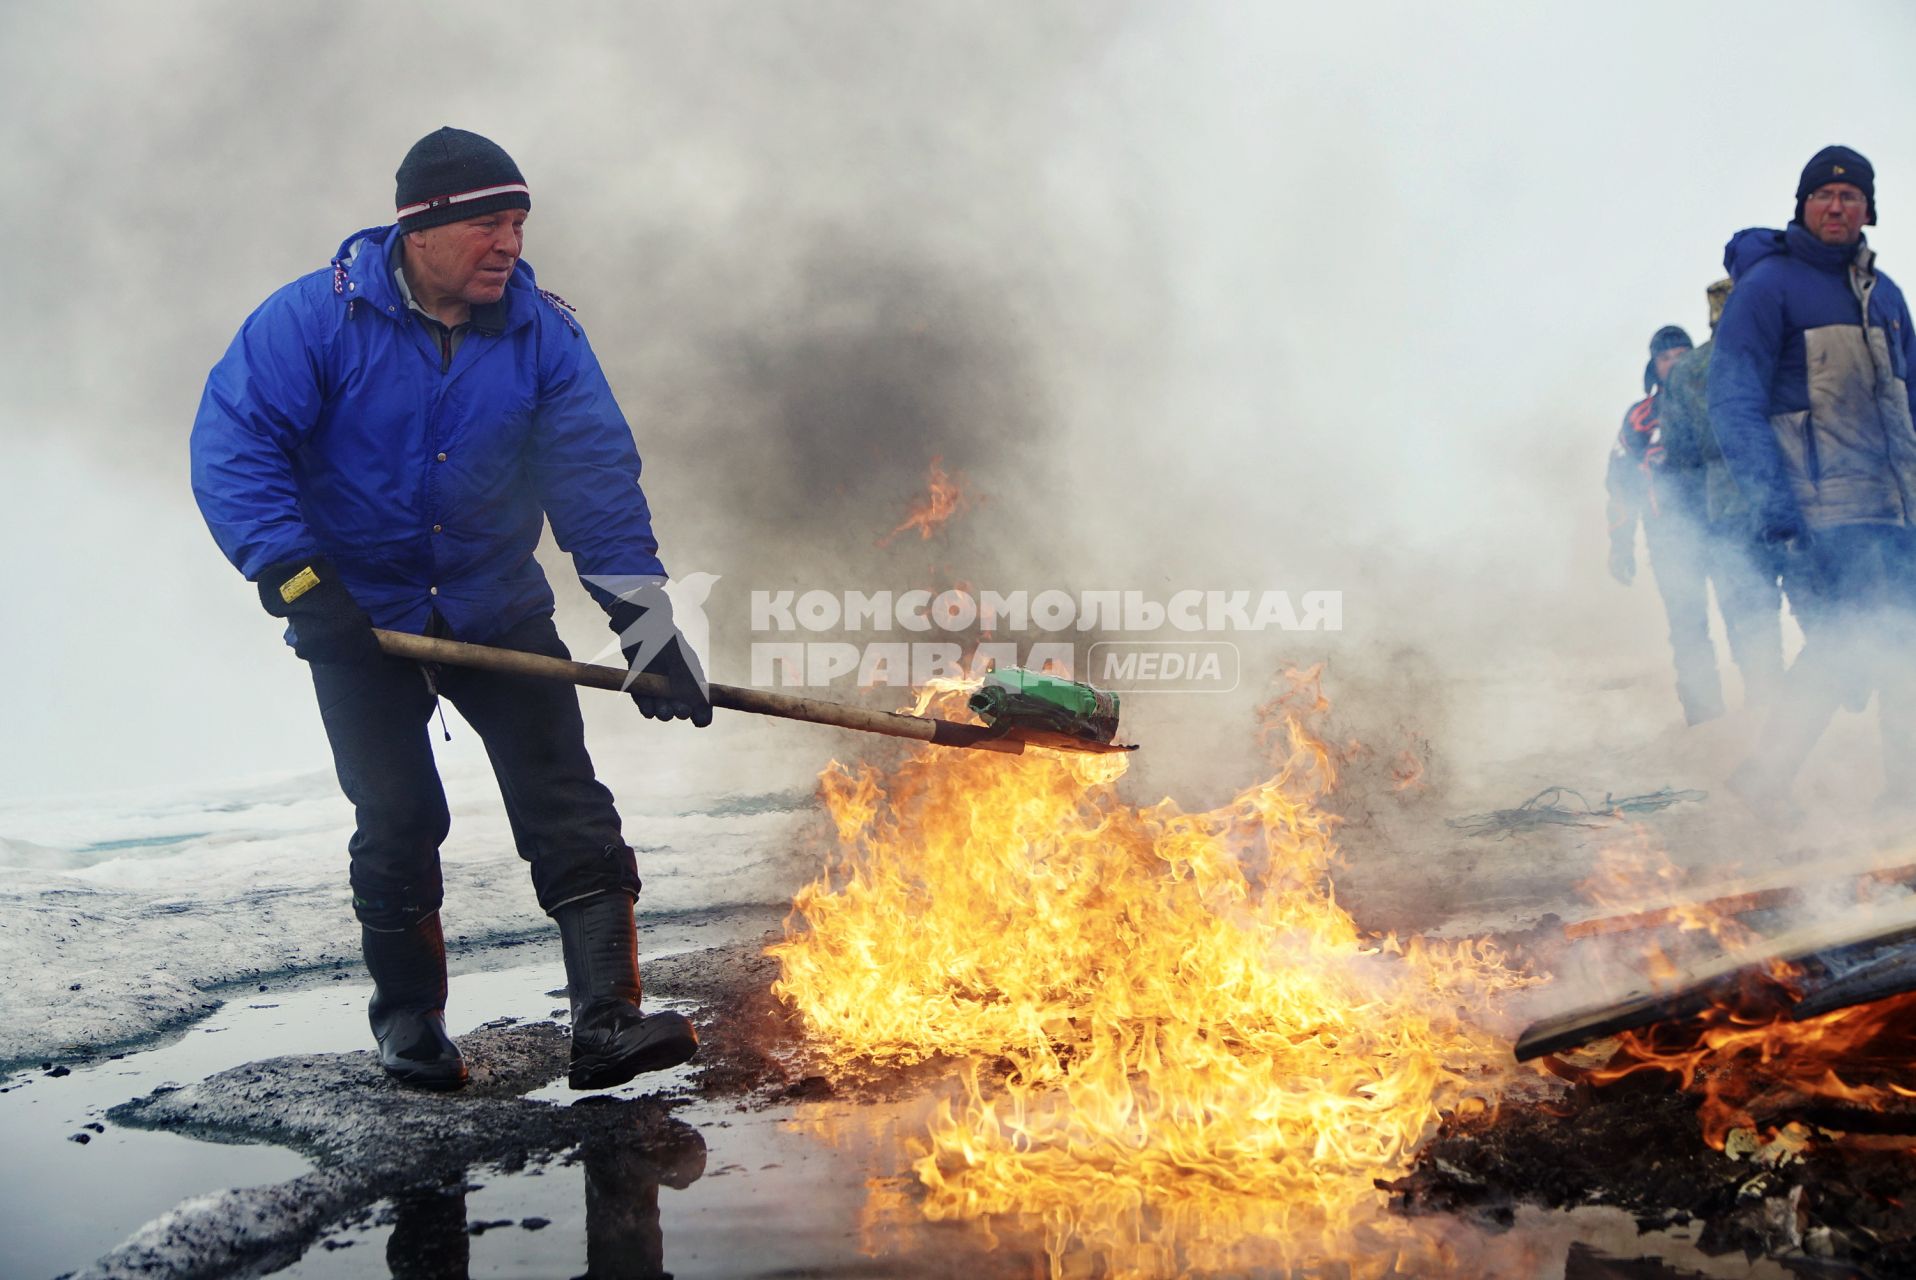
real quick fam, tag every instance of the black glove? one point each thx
(673, 659)
(328, 624)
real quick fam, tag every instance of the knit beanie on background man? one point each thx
(450, 175)
(1838, 164)
(1662, 340)
(1668, 336)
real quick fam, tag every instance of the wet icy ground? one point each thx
(146, 925)
(517, 1176)
(157, 937)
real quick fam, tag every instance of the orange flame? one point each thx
(945, 497)
(1637, 869)
(1150, 1030)
(1756, 1069)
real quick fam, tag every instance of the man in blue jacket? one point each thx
(380, 446)
(1811, 400)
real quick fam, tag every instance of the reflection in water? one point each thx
(622, 1236)
(429, 1240)
(1585, 1263)
(624, 1164)
(1531, 1244)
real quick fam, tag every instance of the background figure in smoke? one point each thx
(1742, 567)
(1665, 490)
(1810, 397)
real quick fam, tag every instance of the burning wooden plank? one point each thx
(1844, 962)
(1880, 972)
(1786, 888)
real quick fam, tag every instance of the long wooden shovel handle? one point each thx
(456, 653)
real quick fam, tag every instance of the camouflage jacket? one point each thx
(1689, 441)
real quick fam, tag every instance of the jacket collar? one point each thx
(1834, 258)
(486, 317)
(362, 271)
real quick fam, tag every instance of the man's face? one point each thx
(470, 260)
(1835, 212)
(1666, 361)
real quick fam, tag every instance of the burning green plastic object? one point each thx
(1046, 710)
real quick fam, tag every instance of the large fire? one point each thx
(1753, 1066)
(1177, 1037)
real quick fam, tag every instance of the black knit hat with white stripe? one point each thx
(450, 175)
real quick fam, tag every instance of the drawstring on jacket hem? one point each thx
(430, 671)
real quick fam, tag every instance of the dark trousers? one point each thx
(1686, 556)
(563, 822)
(1854, 591)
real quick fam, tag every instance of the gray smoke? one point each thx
(1196, 297)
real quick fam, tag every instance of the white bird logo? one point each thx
(671, 607)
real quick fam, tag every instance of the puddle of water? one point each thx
(773, 1198)
(66, 1203)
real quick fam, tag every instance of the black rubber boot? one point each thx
(408, 1009)
(611, 1040)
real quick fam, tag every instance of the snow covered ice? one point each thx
(119, 914)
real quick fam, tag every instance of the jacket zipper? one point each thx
(1862, 290)
(444, 337)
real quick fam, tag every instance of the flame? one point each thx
(946, 692)
(1166, 1054)
(1636, 870)
(945, 496)
(892, 1226)
(1407, 774)
(1751, 1064)
(1755, 1069)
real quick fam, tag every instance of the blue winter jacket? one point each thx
(328, 428)
(1809, 385)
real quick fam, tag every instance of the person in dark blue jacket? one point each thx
(381, 446)
(1811, 401)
